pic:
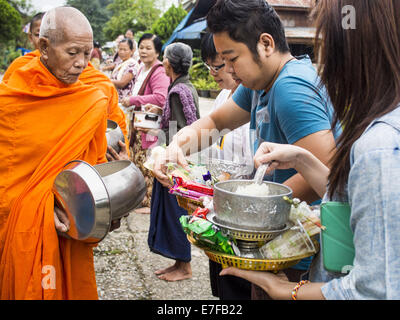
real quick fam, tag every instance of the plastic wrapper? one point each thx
(195, 173)
(310, 219)
(206, 234)
(291, 243)
(194, 186)
(190, 194)
(201, 213)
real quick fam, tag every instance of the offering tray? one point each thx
(243, 234)
(227, 260)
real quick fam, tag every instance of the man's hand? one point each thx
(174, 154)
(112, 155)
(61, 221)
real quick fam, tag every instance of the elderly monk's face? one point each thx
(67, 58)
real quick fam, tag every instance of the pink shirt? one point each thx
(155, 92)
(156, 89)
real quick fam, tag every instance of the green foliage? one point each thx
(97, 14)
(10, 22)
(165, 26)
(7, 55)
(137, 15)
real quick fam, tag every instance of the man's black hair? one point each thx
(245, 21)
(208, 51)
(36, 17)
(156, 40)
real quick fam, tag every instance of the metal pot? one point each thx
(256, 213)
(93, 196)
(113, 135)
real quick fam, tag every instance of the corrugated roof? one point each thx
(291, 3)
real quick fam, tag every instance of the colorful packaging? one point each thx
(206, 234)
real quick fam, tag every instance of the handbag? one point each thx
(337, 238)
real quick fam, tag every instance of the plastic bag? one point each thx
(293, 242)
(206, 234)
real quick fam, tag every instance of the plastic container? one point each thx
(337, 239)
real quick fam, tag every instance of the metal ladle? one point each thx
(260, 173)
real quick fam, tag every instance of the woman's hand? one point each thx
(276, 285)
(174, 154)
(112, 155)
(281, 156)
(125, 102)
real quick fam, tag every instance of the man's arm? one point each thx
(199, 135)
(228, 116)
(322, 145)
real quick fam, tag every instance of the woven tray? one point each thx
(227, 260)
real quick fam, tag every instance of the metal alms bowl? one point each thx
(258, 213)
(93, 196)
(113, 135)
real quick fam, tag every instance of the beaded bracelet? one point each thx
(297, 287)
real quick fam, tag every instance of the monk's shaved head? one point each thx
(60, 21)
(65, 43)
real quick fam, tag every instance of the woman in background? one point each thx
(151, 87)
(166, 236)
(124, 74)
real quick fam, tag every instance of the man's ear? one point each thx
(267, 43)
(44, 48)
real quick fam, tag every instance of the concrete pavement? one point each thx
(125, 266)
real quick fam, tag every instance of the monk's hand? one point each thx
(112, 155)
(115, 224)
(61, 220)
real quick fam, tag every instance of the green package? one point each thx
(206, 234)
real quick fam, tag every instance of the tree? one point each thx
(165, 26)
(10, 22)
(137, 15)
(97, 14)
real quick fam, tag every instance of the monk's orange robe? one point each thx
(90, 76)
(44, 124)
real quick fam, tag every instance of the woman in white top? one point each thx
(235, 145)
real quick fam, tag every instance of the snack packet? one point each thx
(206, 234)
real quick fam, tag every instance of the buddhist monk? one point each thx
(89, 76)
(47, 118)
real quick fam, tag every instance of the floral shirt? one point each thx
(122, 68)
(373, 192)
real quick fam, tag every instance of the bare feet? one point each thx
(166, 270)
(179, 271)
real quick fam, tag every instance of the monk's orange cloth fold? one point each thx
(90, 76)
(44, 124)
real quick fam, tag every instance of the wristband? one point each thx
(297, 287)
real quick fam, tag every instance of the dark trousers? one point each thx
(228, 287)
